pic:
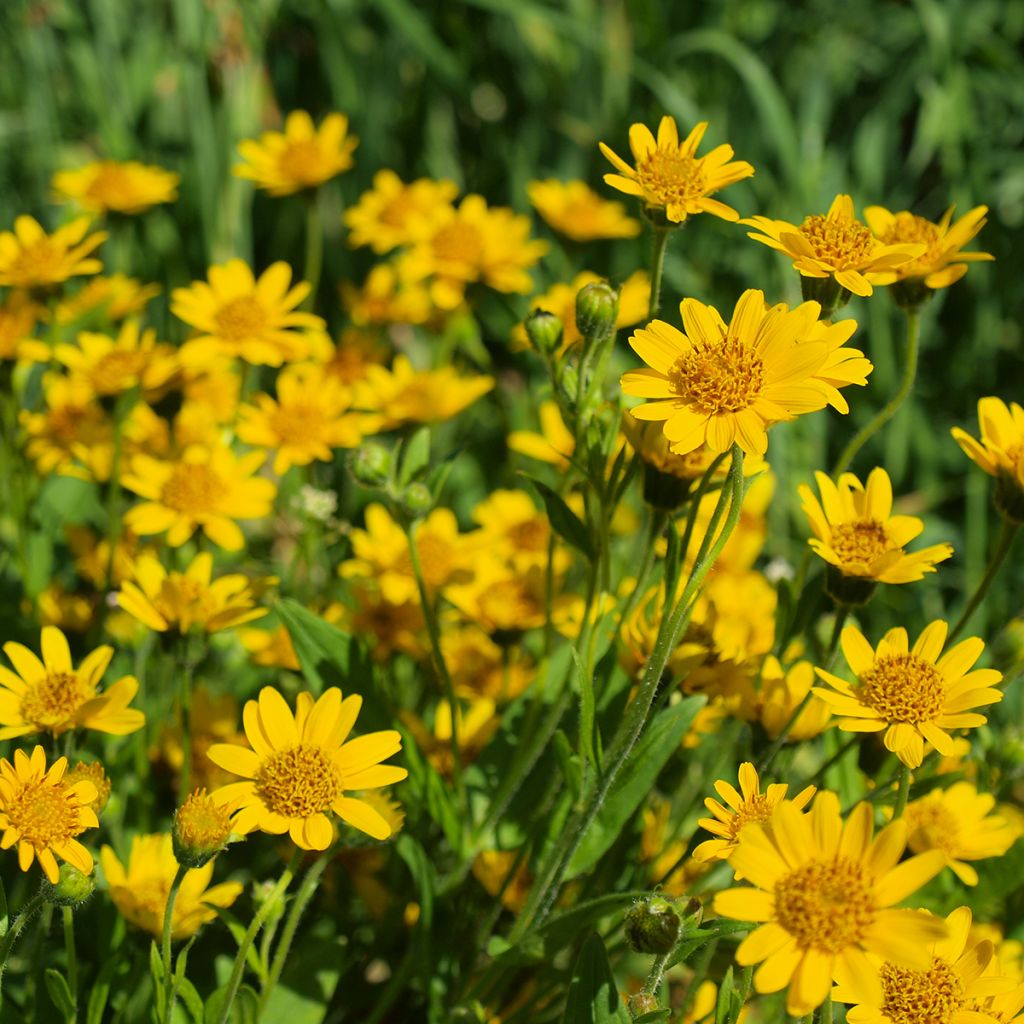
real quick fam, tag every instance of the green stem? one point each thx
(165, 945)
(186, 667)
(891, 407)
(1004, 542)
(314, 250)
(269, 905)
(11, 937)
(818, 777)
(825, 1013)
(902, 793)
(72, 958)
(659, 519)
(656, 973)
(657, 268)
(842, 611)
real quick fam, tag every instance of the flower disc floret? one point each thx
(903, 688)
(298, 782)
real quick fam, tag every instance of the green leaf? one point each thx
(156, 964)
(656, 745)
(727, 998)
(422, 870)
(5, 922)
(57, 987)
(588, 707)
(308, 983)
(238, 931)
(100, 991)
(415, 457)
(191, 998)
(593, 996)
(244, 1009)
(326, 654)
(564, 521)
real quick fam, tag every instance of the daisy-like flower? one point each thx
(835, 244)
(394, 292)
(911, 694)
(743, 806)
(393, 213)
(53, 696)
(161, 600)
(824, 895)
(782, 692)
(717, 384)
(116, 186)
(239, 315)
(856, 532)
(18, 317)
(301, 157)
(947, 991)
(307, 421)
(554, 444)
(958, 821)
(575, 210)
(30, 258)
(512, 528)
(206, 487)
(999, 451)
(43, 813)
(669, 175)
(140, 890)
(300, 767)
(111, 296)
(477, 724)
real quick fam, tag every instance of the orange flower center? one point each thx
(529, 535)
(826, 905)
(117, 371)
(903, 688)
(921, 997)
(298, 782)
(723, 377)
(51, 703)
(667, 176)
(43, 814)
(112, 188)
(459, 242)
(241, 319)
(839, 242)
(302, 162)
(909, 228)
(193, 488)
(756, 808)
(297, 424)
(860, 542)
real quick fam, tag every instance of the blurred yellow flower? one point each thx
(480, 668)
(356, 349)
(476, 725)
(70, 612)
(668, 867)
(271, 648)
(501, 599)
(116, 186)
(109, 297)
(575, 210)
(782, 692)
(512, 529)
(999, 451)
(30, 258)
(19, 315)
(554, 444)
(669, 175)
(394, 292)
(388, 627)
(214, 719)
(302, 156)
(491, 869)
(393, 213)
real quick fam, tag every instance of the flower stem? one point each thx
(165, 945)
(903, 792)
(657, 268)
(825, 1012)
(314, 250)
(842, 611)
(656, 973)
(72, 956)
(18, 924)
(1004, 542)
(891, 407)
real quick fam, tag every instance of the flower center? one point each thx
(909, 228)
(51, 703)
(667, 176)
(459, 242)
(298, 782)
(529, 535)
(297, 424)
(117, 371)
(921, 997)
(860, 542)
(508, 604)
(302, 162)
(723, 377)
(39, 262)
(43, 814)
(111, 186)
(193, 488)
(903, 688)
(756, 808)
(835, 240)
(240, 319)
(826, 905)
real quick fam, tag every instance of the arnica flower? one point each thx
(30, 258)
(743, 806)
(476, 726)
(105, 366)
(394, 292)
(271, 648)
(948, 990)
(719, 384)
(835, 244)
(782, 692)
(43, 813)
(824, 897)
(393, 213)
(184, 600)
(308, 420)
(94, 772)
(491, 869)
(111, 297)
(115, 186)
(300, 767)
(302, 156)
(1000, 452)
(575, 210)
(140, 891)
(911, 694)
(235, 313)
(53, 696)
(512, 529)
(669, 175)
(205, 488)
(554, 444)
(201, 829)
(480, 668)
(19, 314)
(856, 532)
(958, 821)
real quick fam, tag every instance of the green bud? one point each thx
(72, 889)
(853, 591)
(544, 330)
(597, 306)
(416, 500)
(370, 464)
(642, 1003)
(653, 925)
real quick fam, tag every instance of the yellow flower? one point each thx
(782, 692)
(1000, 450)
(718, 384)
(30, 258)
(670, 176)
(72, 612)
(140, 891)
(205, 488)
(667, 865)
(394, 292)
(388, 626)
(554, 444)
(43, 813)
(307, 421)
(499, 598)
(946, 990)
(271, 648)
(240, 315)
(53, 696)
(105, 366)
(355, 350)
(91, 771)
(392, 213)
(824, 896)
(491, 869)
(958, 822)
(300, 157)
(404, 395)
(575, 210)
(512, 529)
(911, 694)
(111, 297)
(214, 719)
(18, 318)
(942, 263)
(856, 532)
(480, 668)
(744, 806)
(300, 767)
(476, 726)
(837, 245)
(115, 186)
(201, 829)
(160, 599)
(91, 554)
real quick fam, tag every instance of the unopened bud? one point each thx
(416, 500)
(72, 888)
(201, 830)
(370, 464)
(544, 330)
(653, 925)
(642, 1003)
(597, 307)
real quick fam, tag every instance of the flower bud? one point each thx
(653, 925)
(416, 500)
(370, 464)
(73, 887)
(201, 830)
(544, 330)
(597, 307)
(642, 1003)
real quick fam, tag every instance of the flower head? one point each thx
(999, 451)
(302, 156)
(111, 296)
(18, 317)
(201, 829)
(911, 694)
(94, 772)
(30, 258)
(476, 726)
(393, 213)
(782, 693)
(554, 444)
(575, 210)
(115, 186)
(669, 175)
